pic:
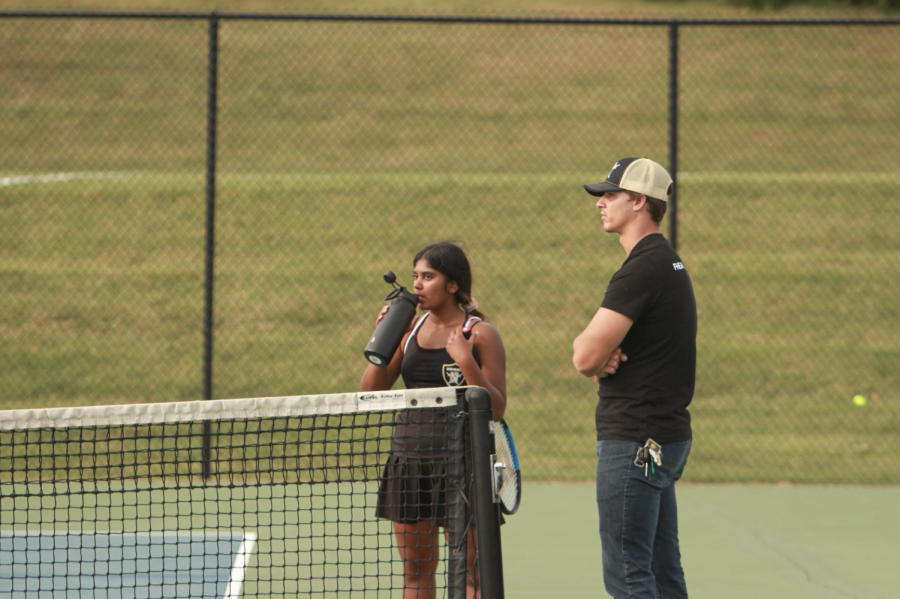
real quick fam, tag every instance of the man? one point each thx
(641, 348)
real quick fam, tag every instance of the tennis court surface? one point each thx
(111, 502)
(262, 497)
(75, 565)
(737, 542)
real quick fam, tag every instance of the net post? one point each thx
(487, 513)
(457, 503)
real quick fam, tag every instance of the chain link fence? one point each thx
(338, 147)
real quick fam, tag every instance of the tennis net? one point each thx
(264, 497)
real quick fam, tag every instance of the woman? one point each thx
(450, 345)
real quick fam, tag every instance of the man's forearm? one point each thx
(589, 357)
(594, 347)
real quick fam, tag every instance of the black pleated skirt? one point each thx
(412, 490)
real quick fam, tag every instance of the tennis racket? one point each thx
(511, 478)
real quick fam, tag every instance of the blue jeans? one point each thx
(639, 521)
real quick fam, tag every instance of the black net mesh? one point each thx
(296, 506)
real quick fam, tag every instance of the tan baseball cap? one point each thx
(640, 175)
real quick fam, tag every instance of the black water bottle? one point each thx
(389, 332)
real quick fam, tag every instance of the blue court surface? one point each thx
(737, 542)
(80, 565)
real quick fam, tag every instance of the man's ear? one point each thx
(639, 203)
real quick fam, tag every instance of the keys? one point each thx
(655, 451)
(648, 456)
(639, 459)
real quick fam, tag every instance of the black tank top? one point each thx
(418, 431)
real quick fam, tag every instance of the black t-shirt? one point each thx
(649, 394)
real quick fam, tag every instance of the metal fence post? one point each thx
(210, 229)
(673, 132)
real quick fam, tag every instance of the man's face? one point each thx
(615, 210)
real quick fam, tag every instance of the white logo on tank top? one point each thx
(453, 375)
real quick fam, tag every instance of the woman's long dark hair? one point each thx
(450, 260)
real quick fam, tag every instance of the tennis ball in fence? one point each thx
(859, 400)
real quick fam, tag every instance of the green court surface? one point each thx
(737, 541)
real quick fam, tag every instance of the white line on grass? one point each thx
(338, 178)
(54, 178)
(419, 178)
(803, 177)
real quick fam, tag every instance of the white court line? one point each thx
(238, 570)
(54, 178)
